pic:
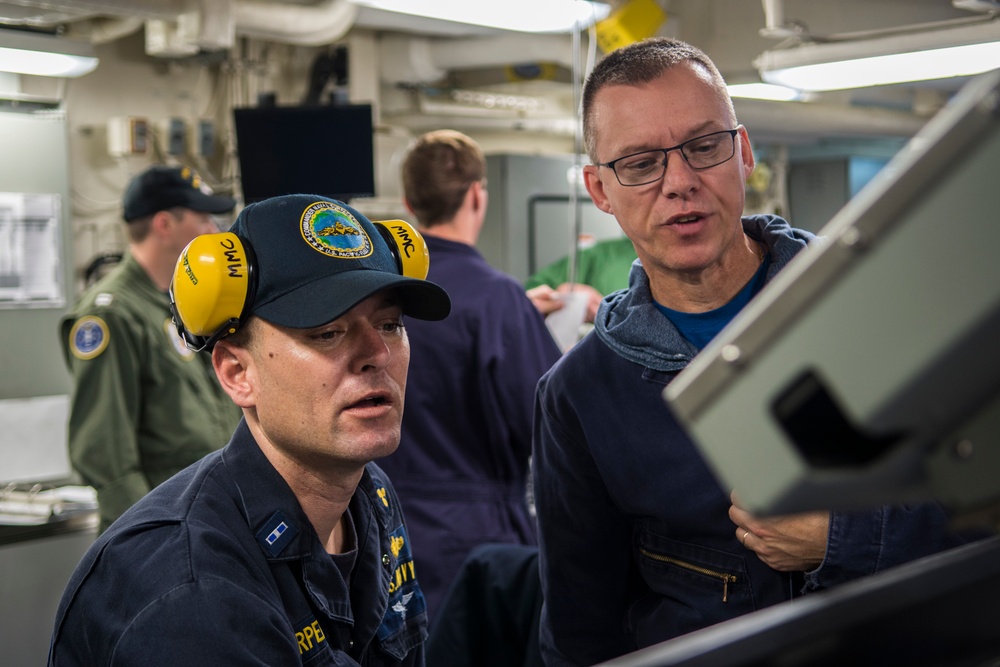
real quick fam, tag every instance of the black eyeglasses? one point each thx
(704, 152)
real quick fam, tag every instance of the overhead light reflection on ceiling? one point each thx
(518, 15)
(23, 52)
(764, 91)
(889, 69)
(917, 55)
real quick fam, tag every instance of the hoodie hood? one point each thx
(629, 323)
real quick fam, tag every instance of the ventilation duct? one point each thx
(415, 60)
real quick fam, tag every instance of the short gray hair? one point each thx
(639, 63)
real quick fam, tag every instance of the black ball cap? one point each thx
(162, 188)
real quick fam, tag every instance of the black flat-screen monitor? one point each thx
(322, 150)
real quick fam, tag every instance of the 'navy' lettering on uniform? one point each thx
(406, 600)
(404, 573)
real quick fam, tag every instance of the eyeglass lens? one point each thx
(700, 152)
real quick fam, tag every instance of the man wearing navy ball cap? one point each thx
(143, 406)
(288, 545)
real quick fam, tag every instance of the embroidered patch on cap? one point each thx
(191, 176)
(89, 337)
(333, 231)
(276, 534)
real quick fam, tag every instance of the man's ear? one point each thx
(476, 195)
(161, 222)
(595, 186)
(234, 367)
(746, 152)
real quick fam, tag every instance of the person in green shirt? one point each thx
(600, 269)
(143, 406)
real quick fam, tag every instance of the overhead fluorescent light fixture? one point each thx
(556, 16)
(44, 55)
(917, 56)
(764, 91)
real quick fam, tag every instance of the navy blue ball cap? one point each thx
(161, 188)
(316, 258)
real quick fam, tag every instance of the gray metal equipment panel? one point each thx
(847, 375)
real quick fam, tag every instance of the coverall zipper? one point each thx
(724, 576)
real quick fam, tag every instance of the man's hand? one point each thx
(545, 299)
(793, 543)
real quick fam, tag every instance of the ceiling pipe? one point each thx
(408, 60)
(104, 30)
(774, 20)
(549, 127)
(415, 60)
(146, 9)
(314, 25)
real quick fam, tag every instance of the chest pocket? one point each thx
(690, 586)
(396, 647)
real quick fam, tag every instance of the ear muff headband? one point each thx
(407, 246)
(215, 279)
(213, 285)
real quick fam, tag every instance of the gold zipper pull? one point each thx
(726, 580)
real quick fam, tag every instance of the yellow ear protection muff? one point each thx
(407, 246)
(213, 285)
(215, 280)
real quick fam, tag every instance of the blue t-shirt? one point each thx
(700, 328)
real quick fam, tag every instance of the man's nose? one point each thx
(370, 349)
(678, 176)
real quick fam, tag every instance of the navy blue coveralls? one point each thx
(636, 542)
(220, 566)
(462, 463)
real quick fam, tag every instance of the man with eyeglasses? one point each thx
(639, 543)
